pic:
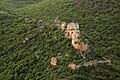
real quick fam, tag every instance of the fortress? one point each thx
(72, 32)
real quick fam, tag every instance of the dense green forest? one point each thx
(26, 45)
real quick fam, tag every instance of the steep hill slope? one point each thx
(26, 49)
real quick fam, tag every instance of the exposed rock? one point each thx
(26, 38)
(26, 19)
(77, 4)
(24, 41)
(59, 57)
(57, 22)
(67, 55)
(41, 23)
(37, 56)
(107, 61)
(95, 62)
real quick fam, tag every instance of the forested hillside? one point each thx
(27, 46)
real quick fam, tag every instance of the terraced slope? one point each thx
(26, 49)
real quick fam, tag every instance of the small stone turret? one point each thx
(53, 61)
